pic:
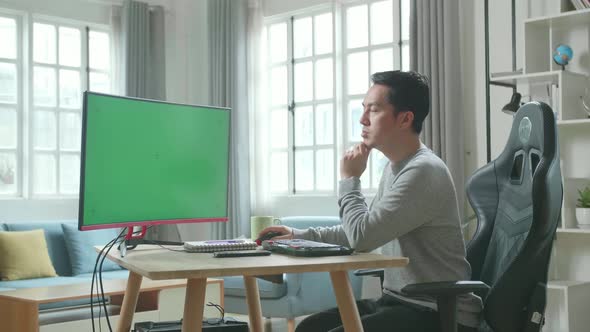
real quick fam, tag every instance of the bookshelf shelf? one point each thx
(566, 231)
(571, 123)
(566, 309)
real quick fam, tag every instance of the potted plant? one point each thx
(583, 208)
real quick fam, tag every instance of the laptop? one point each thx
(305, 248)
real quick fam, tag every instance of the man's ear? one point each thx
(407, 119)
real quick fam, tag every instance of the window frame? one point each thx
(19, 106)
(313, 103)
(341, 113)
(291, 105)
(26, 108)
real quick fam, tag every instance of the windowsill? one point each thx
(38, 198)
(19, 209)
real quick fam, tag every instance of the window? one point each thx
(302, 100)
(10, 105)
(59, 68)
(315, 100)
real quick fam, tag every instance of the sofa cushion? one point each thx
(234, 286)
(80, 245)
(55, 242)
(24, 255)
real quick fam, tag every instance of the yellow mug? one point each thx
(258, 223)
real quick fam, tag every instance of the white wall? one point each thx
(80, 10)
(275, 7)
(187, 56)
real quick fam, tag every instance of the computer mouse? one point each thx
(267, 236)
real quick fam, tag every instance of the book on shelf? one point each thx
(555, 100)
(219, 245)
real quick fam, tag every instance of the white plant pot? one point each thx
(583, 217)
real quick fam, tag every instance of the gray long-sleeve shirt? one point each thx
(414, 214)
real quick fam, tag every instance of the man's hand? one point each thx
(286, 232)
(354, 161)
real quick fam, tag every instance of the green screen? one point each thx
(152, 162)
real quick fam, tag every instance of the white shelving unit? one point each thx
(566, 313)
(569, 272)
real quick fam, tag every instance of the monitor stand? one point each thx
(131, 241)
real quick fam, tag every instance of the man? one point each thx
(414, 213)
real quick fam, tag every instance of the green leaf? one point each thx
(584, 198)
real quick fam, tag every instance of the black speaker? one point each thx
(228, 325)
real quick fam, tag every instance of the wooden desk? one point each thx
(19, 309)
(156, 263)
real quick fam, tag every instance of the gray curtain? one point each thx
(143, 46)
(139, 30)
(228, 26)
(435, 52)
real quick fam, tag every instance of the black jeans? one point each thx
(383, 315)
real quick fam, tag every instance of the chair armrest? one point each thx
(446, 293)
(445, 288)
(369, 272)
(372, 273)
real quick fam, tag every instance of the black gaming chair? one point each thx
(517, 198)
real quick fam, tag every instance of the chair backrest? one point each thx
(517, 198)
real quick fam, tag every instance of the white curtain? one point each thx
(435, 52)
(140, 66)
(259, 167)
(228, 77)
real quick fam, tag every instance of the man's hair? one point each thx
(408, 91)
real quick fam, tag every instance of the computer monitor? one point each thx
(147, 162)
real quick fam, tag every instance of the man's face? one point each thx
(381, 126)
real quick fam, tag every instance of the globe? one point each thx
(562, 54)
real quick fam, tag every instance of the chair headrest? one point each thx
(532, 130)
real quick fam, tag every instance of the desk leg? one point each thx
(253, 299)
(19, 316)
(194, 302)
(346, 303)
(129, 302)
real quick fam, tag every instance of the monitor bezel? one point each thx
(133, 223)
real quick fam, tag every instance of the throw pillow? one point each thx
(24, 256)
(81, 250)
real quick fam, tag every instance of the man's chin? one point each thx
(367, 142)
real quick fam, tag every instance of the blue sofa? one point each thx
(58, 252)
(300, 294)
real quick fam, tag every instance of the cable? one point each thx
(161, 246)
(99, 310)
(96, 263)
(101, 257)
(92, 283)
(104, 304)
